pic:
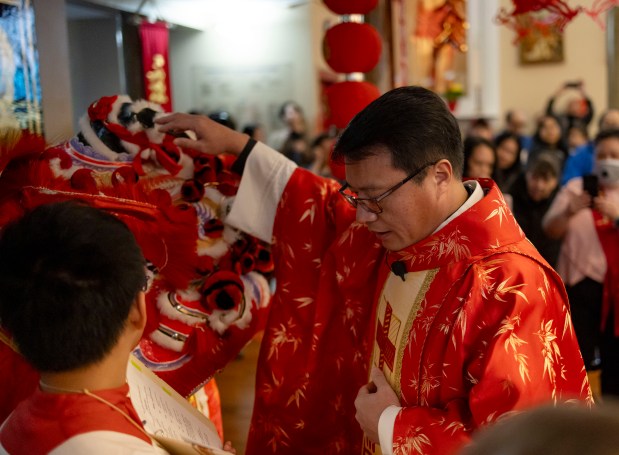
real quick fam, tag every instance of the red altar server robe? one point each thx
(75, 423)
(487, 329)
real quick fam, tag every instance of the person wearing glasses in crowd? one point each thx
(410, 311)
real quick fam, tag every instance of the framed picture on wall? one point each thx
(20, 90)
(543, 43)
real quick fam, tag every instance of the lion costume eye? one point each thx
(146, 117)
(126, 116)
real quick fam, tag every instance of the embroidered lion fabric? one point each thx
(208, 291)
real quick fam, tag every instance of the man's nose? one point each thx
(364, 216)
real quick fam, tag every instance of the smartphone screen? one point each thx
(590, 184)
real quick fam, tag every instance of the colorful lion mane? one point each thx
(207, 294)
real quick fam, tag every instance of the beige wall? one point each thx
(528, 87)
(248, 70)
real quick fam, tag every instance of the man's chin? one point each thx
(390, 243)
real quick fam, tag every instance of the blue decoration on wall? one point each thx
(20, 88)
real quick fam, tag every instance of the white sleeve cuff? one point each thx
(265, 177)
(386, 422)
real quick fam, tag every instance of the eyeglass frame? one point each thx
(363, 201)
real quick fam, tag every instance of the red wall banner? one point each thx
(155, 63)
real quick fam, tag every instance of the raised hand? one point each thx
(578, 202)
(606, 207)
(210, 137)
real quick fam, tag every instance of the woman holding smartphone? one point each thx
(585, 214)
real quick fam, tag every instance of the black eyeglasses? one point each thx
(371, 204)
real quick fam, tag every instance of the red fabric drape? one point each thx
(609, 238)
(155, 63)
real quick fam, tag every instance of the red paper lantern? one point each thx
(351, 6)
(350, 47)
(346, 99)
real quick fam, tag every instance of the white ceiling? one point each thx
(190, 13)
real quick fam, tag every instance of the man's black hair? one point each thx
(606, 134)
(412, 123)
(69, 274)
(545, 165)
(501, 137)
(508, 116)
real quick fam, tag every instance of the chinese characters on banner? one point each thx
(155, 63)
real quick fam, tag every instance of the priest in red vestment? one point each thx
(409, 312)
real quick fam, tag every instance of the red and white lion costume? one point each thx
(208, 294)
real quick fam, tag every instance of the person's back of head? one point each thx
(609, 120)
(69, 275)
(561, 430)
(412, 123)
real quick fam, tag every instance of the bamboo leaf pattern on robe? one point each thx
(304, 301)
(500, 211)
(503, 289)
(281, 337)
(452, 245)
(512, 344)
(550, 351)
(299, 393)
(484, 275)
(413, 442)
(310, 212)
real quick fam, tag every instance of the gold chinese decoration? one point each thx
(157, 81)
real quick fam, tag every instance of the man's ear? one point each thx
(443, 173)
(137, 314)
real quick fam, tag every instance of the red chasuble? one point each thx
(479, 327)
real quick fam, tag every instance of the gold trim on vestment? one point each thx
(404, 340)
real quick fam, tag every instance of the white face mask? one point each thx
(608, 171)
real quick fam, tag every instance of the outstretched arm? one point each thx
(210, 137)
